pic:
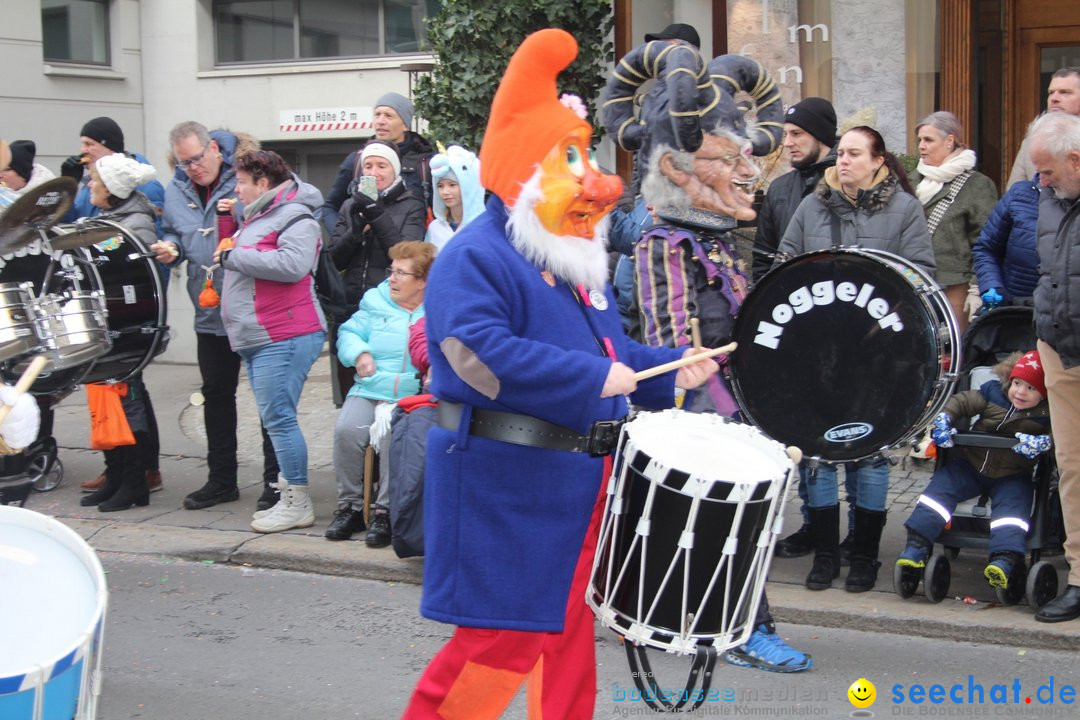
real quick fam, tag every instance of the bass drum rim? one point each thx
(100, 368)
(940, 328)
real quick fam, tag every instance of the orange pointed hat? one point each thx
(527, 119)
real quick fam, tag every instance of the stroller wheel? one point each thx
(937, 577)
(905, 580)
(1042, 584)
(47, 472)
(1017, 587)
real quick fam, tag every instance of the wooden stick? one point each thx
(28, 377)
(695, 333)
(683, 362)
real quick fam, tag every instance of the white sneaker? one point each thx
(280, 485)
(294, 511)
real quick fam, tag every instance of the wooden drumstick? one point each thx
(28, 377)
(683, 362)
(695, 332)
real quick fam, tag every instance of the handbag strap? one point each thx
(942, 207)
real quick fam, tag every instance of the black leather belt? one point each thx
(533, 432)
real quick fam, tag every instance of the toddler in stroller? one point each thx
(1015, 404)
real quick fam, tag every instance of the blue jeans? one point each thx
(871, 484)
(850, 497)
(277, 373)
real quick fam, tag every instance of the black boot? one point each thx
(796, 544)
(864, 552)
(133, 489)
(825, 528)
(113, 480)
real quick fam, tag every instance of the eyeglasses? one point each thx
(394, 272)
(197, 160)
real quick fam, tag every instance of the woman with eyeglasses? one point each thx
(375, 342)
(271, 312)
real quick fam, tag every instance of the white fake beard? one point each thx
(573, 259)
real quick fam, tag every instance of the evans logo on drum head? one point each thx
(848, 432)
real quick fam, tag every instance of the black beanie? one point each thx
(816, 116)
(105, 131)
(22, 158)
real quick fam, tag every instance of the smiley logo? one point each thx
(862, 693)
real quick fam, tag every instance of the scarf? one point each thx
(263, 200)
(935, 177)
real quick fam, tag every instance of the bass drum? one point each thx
(135, 299)
(844, 353)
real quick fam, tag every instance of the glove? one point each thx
(992, 298)
(367, 209)
(1031, 446)
(73, 167)
(941, 431)
(20, 427)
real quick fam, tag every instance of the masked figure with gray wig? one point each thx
(699, 177)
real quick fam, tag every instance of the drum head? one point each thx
(838, 353)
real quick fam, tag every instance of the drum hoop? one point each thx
(932, 298)
(71, 541)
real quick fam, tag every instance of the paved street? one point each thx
(192, 641)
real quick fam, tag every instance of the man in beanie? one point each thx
(1013, 404)
(99, 137)
(809, 139)
(525, 334)
(392, 119)
(22, 173)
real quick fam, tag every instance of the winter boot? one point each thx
(796, 544)
(864, 552)
(113, 479)
(276, 488)
(917, 551)
(825, 528)
(1002, 568)
(846, 544)
(294, 511)
(133, 490)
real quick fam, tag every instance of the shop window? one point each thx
(75, 31)
(252, 31)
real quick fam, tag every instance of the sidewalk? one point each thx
(222, 533)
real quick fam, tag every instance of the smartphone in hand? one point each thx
(367, 186)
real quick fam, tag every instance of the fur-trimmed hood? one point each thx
(874, 200)
(38, 174)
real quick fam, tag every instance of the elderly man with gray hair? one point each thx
(1055, 155)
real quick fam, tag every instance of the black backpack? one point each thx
(329, 283)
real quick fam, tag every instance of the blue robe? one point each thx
(504, 523)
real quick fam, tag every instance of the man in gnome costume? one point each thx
(529, 362)
(699, 178)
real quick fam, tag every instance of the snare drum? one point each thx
(692, 513)
(53, 619)
(17, 333)
(844, 353)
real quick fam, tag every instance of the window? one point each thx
(75, 31)
(251, 31)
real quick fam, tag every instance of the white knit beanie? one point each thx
(380, 149)
(122, 174)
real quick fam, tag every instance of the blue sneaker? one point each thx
(768, 651)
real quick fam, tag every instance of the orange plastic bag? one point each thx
(108, 424)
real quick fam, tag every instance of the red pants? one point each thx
(478, 672)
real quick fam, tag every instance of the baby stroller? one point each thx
(991, 338)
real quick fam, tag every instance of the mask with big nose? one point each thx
(576, 194)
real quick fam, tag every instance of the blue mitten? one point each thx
(992, 298)
(941, 431)
(1031, 446)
